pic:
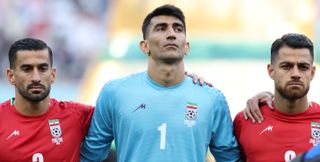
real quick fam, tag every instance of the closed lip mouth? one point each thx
(171, 45)
(295, 83)
(36, 87)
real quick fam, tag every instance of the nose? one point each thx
(171, 34)
(35, 76)
(295, 73)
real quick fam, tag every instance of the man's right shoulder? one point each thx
(124, 81)
(5, 104)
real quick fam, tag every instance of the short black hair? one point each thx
(293, 40)
(27, 44)
(168, 10)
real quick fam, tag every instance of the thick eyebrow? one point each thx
(160, 25)
(176, 24)
(38, 65)
(299, 63)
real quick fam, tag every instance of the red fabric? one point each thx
(22, 137)
(279, 137)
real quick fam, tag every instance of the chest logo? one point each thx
(191, 114)
(141, 106)
(315, 133)
(268, 129)
(14, 133)
(56, 131)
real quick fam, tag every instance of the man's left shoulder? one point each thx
(71, 105)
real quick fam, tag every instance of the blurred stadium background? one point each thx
(97, 40)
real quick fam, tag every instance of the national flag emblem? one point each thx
(53, 122)
(192, 105)
(55, 130)
(191, 111)
(315, 130)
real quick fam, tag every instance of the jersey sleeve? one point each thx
(223, 144)
(98, 141)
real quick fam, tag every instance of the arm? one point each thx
(252, 110)
(97, 142)
(223, 144)
(312, 155)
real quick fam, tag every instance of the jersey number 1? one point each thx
(163, 131)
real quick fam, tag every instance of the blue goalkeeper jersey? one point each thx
(153, 123)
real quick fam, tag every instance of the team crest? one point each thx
(56, 131)
(191, 114)
(315, 133)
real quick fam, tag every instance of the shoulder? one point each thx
(70, 105)
(314, 105)
(124, 81)
(239, 117)
(5, 104)
(212, 92)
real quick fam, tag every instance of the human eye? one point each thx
(159, 28)
(179, 29)
(285, 66)
(43, 68)
(304, 67)
(26, 68)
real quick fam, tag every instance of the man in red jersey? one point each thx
(33, 126)
(293, 126)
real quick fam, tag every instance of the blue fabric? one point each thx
(150, 122)
(312, 153)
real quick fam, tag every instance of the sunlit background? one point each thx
(97, 40)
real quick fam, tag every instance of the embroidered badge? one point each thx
(56, 131)
(315, 133)
(191, 114)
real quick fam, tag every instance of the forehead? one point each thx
(32, 57)
(166, 19)
(299, 55)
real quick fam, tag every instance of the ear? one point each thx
(270, 71)
(10, 76)
(313, 71)
(144, 47)
(53, 74)
(186, 48)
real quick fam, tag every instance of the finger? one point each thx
(255, 110)
(249, 115)
(245, 115)
(195, 79)
(257, 115)
(201, 81)
(269, 102)
(209, 84)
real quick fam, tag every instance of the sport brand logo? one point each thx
(268, 129)
(141, 106)
(14, 133)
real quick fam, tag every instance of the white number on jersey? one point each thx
(37, 157)
(163, 131)
(289, 155)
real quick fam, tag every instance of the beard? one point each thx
(34, 97)
(292, 94)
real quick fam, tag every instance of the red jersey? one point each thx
(280, 137)
(52, 137)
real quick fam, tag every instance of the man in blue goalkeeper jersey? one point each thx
(159, 115)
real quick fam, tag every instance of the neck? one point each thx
(28, 108)
(166, 74)
(290, 107)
